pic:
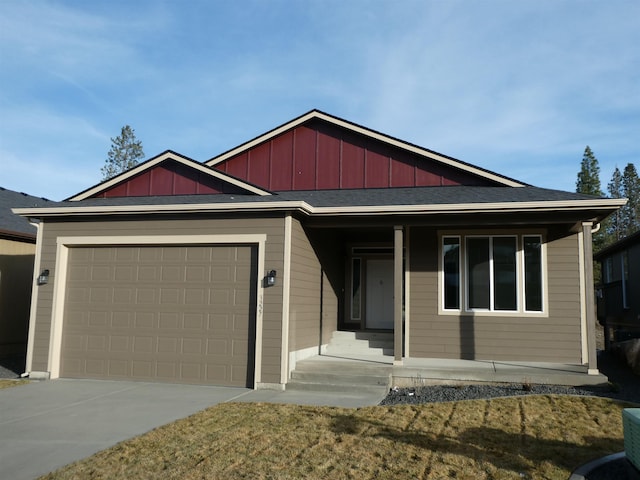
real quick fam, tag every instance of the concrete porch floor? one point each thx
(431, 371)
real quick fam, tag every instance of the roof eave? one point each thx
(603, 206)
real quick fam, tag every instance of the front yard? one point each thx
(6, 383)
(536, 437)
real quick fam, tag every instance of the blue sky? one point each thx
(517, 87)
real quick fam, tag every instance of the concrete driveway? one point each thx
(46, 425)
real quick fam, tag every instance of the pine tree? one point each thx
(615, 230)
(631, 190)
(589, 183)
(126, 151)
(589, 175)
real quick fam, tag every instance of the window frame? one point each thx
(520, 274)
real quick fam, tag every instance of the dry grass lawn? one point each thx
(535, 437)
(5, 383)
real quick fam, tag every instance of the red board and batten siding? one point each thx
(169, 178)
(316, 156)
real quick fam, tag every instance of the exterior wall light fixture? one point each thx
(271, 278)
(43, 278)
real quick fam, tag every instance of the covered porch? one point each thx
(378, 373)
(383, 276)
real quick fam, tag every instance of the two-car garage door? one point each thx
(161, 313)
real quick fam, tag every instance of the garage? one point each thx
(165, 313)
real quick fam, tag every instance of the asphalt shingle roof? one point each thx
(361, 197)
(11, 223)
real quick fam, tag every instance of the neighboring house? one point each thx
(619, 289)
(230, 271)
(17, 251)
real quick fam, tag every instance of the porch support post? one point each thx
(398, 277)
(589, 298)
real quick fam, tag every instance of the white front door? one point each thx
(379, 293)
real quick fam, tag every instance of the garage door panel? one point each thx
(98, 319)
(144, 344)
(146, 296)
(117, 343)
(118, 368)
(166, 370)
(185, 318)
(124, 273)
(126, 255)
(149, 255)
(122, 295)
(107, 255)
(95, 367)
(198, 255)
(196, 274)
(142, 369)
(75, 342)
(100, 295)
(148, 273)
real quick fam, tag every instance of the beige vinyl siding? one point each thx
(304, 300)
(550, 337)
(272, 301)
(330, 307)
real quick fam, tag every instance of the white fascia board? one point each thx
(369, 133)
(304, 207)
(540, 206)
(177, 208)
(161, 158)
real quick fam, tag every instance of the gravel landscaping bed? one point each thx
(624, 385)
(446, 393)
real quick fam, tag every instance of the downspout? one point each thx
(596, 229)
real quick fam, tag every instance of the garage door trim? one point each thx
(62, 263)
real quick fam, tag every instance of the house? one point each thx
(231, 271)
(618, 306)
(17, 252)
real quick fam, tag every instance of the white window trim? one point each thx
(463, 292)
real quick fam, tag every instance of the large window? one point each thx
(492, 273)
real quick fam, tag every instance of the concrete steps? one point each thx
(353, 361)
(366, 343)
(336, 375)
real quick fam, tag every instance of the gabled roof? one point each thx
(157, 160)
(12, 225)
(381, 137)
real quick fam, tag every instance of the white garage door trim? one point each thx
(62, 263)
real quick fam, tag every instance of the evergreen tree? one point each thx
(126, 151)
(589, 183)
(630, 213)
(614, 227)
(589, 175)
